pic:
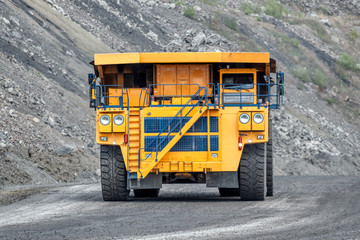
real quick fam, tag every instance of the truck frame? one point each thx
(185, 117)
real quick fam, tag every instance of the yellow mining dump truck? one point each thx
(185, 118)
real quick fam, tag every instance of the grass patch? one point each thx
(330, 100)
(275, 9)
(319, 78)
(181, 3)
(212, 3)
(348, 62)
(249, 8)
(230, 22)
(302, 73)
(189, 12)
(319, 29)
(353, 35)
(291, 41)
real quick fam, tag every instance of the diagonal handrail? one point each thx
(180, 111)
(156, 148)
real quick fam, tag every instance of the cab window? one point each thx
(238, 81)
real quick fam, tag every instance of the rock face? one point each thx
(45, 48)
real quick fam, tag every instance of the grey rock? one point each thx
(2, 182)
(16, 34)
(150, 3)
(15, 21)
(51, 2)
(65, 150)
(198, 39)
(36, 120)
(325, 22)
(212, 39)
(10, 100)
(51, 121)
(152, 36)
(6, 21)
(69, 52)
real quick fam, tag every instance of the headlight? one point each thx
(105, 120)
(118, 119)
(258, 118)
(244, 118)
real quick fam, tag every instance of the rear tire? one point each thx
(252, 181)
(269, 164)
(144, 193)
(229, 192)
(113, 174)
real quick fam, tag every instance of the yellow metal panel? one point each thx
(181, 57)
(168, 57)
(134, 96)
(179, 100)
(208, 57)
(244, 127)
(114, 94)
(116, 58)
(166, 74)
(174, 165)
(245, 57)
(119, 128)
(102, 128)
(229, 140)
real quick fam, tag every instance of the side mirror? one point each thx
(91, 77)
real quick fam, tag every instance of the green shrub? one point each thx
(250, 8)
(319, 78)
(213, 3)
(330, 100)
(302, 73)
(274, 9)
(348, 62)
(180, 3)
(353, 35)
(230, 22)
(189, 12)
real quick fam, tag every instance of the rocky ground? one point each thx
(47, 130)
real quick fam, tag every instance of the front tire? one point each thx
(252, 181)
(113, 174)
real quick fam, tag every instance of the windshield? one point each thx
(238, 80)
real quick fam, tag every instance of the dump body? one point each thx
(184, 116)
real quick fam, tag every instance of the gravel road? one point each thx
(303, 208)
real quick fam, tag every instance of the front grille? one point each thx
(160, 124)
(185, 144)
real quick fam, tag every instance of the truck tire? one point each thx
(143, 193)
(269, 164)
(113, 174)
(252, 180)
(229, 192)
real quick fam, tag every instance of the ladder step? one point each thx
(134, 144)
(133, 150)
